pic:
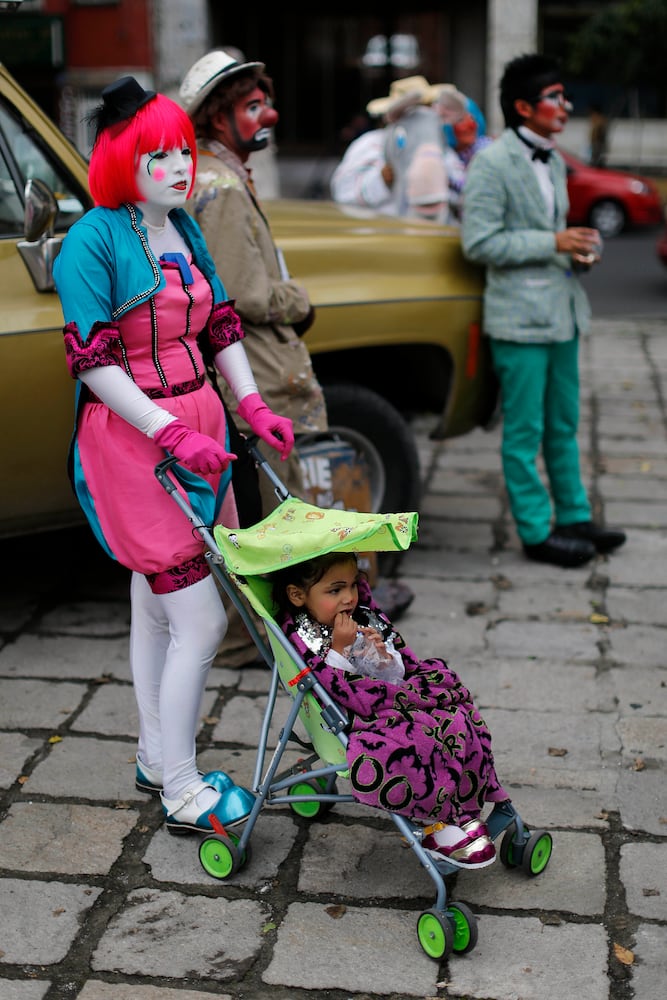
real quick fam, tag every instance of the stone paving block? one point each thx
(16, 612)
(16, 989)
(432, 562)
(87, 768)
(446, 639)
(644, 875)
(639, 605)
(640, 487)
(563, 807)
(41, 919)
(172, 935)
(58, 658)
(559, 600)
(648, 971)
(112, 711)
(449, 507)
(574, 880)
(644, 557)
(644, 736)
(176, 859)
(32, 704)
(453, 603)
(97, 990)
(640, 690)
(520, 958)
(362, 862)
(639, 645)
(522, 741)
(88, 618)
(15, 749)
(638, 514)
(456, 537)
(38, 837)
(545, 640)
(241, 720)
(325, 947)
(642, 800)
(542, 685)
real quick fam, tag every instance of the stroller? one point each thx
(240, 558)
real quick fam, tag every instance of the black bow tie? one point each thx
(539, 152)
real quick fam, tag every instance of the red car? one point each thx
(610, 200)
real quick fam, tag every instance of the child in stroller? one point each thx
(418, 745)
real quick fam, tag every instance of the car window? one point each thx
(21, 158)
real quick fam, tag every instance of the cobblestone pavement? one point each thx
(569, 667)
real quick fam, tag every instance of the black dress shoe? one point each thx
(561, 551)
(604, 539)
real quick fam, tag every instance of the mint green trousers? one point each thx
(539, 386)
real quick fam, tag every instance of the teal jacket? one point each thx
(531, 294)
(105, 266)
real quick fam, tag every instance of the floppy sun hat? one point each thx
(404, 93)
(206, 74)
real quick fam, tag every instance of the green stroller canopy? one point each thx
(296, 531)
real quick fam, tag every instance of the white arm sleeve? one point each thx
(115, 388)
(232, 363)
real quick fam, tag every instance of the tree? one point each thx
(624, 44)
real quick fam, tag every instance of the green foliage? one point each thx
(624, 43)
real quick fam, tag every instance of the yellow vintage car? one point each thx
(397, 329)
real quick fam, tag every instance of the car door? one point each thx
(36, 397)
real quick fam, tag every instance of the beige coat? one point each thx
(246, 259)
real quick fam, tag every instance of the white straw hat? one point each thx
(403, 94)
(206, 74)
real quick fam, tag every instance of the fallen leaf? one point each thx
(270, 926)
(650, 892)
(210, 720)
(603, 814)
(662, 819)
(337, 911)
(55, 739)
(645, 467)
(56, 913)
(624, 955)
(638, 764)
(23, 779)
(598, 619)
(122, 805)
(557, 752)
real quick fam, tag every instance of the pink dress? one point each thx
(140, 523)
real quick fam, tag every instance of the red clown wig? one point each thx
(159, 124)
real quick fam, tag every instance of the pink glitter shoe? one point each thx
(468, 852)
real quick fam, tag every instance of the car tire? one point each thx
(608, 217)
(383, 437)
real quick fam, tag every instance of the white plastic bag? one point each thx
(367, 659)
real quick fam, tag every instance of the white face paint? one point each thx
(163, 181)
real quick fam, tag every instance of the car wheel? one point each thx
(608, 217)
(383, 438)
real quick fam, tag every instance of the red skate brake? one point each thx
(217, 825)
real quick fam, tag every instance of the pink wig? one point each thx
(159, 124)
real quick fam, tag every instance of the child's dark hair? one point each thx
(304, 575)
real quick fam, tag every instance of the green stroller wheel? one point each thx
(537, 852)
(309, 810)
(435, 931)
(508, 850)
(465, 927)
(220, 857)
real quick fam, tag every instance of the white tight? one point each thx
(173, 640)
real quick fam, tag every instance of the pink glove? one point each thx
(198, 452)
(276, 431)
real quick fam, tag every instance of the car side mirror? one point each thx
(40, 247)
(41, 209)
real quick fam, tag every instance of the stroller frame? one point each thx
(310, 790)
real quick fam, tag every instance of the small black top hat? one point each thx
(121, 101)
